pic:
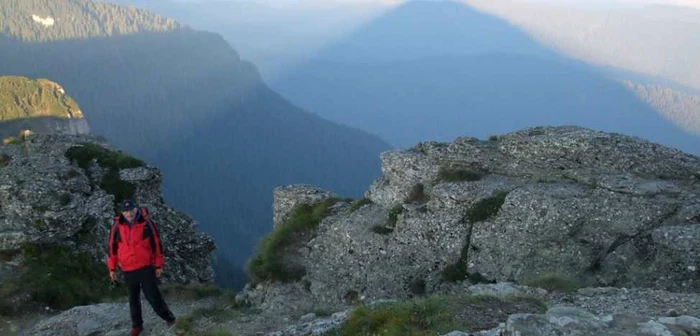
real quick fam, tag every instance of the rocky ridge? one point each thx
(57, 198)
(613, 218)
(601, 209)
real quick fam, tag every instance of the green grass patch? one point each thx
(486, 208)
(553, 283)
(86, 234)
(268, 264)
(39, 224)
(113, 161)
(112, 184)
(422, 317)
(7, 307)
(86, 153)
(60, 278)
(458, 175)
(359, 204)
(436, 315)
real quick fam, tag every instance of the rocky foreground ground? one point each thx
(587, 311)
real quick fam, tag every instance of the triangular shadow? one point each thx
(466, 73)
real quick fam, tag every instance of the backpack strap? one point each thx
(157, 243)
(144, 212)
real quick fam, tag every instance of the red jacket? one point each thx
(136, 246)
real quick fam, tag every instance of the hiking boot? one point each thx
(135, 331)
(170, 323)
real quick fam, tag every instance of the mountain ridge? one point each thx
(21, 97)
(521, 91)
(46, 20)
(38, 105)
(159, 95)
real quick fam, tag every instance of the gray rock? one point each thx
(600, 208)
(45, 199)
(307, 318)
(687, 322)
(639, 301)
(276, 297)
(571, 321)
(287, 197)
(316, 327)
(84, 321)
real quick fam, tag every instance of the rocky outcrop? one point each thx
(553, 208)
(50, 197)
(596, 208)
(287, 197)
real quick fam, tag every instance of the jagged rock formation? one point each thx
(38, 105)
(614, 214)
(57, 200)
(600, 209)
(286, 198)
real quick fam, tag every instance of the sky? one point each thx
(628, 3)
(596, 3)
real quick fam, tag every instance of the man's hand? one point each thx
(113, 275)
(159, 271)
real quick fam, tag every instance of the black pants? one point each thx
(145, 279)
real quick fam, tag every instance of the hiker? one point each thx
(135, 245)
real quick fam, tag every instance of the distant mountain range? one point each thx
(653, 46)
(648, 46)
(462, 72)
(184, 101)
(38, 105)
(682, 108)
(46, 20)
(658, 41)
